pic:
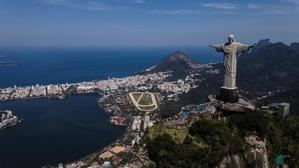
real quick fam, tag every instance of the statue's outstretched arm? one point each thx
(243, 48)
(217, 47)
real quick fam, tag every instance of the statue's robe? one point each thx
(231, 51)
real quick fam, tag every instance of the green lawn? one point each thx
(178, 135)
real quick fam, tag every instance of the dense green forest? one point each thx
(207, 142)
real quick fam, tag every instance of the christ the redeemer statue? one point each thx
(231, 50)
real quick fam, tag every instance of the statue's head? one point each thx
(231, 38)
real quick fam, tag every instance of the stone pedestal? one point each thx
(230, 95)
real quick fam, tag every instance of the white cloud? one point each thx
(221, 5)
(176, 12)
(281, 7)
(137, 1)
(271, 9)
(88, 5)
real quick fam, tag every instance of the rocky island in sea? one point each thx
(169, 108)
(7, 119)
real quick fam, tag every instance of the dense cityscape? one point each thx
(137, 82)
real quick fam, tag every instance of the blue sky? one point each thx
(113, 23)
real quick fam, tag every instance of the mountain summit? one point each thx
(260, 44)
(178, 62)
(272, 68)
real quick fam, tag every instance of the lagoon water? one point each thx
(56, 131)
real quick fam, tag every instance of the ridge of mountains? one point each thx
(268, 68)
(179, 61)
(274, 66)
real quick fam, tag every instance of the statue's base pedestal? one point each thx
(230, 95)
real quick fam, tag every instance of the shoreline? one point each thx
(136, 122)
(128, 140)
(62, 90)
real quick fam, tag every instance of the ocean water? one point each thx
(57, 131)
(46, 66)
